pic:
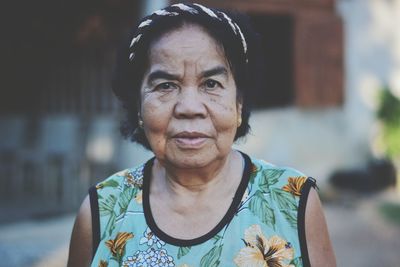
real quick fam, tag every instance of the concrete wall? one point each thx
(320, 141)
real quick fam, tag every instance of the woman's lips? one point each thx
(190, 139)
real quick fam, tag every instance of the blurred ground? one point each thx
(359, 234)
(37, 243)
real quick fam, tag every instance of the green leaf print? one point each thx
(109, 183)
(111, 223)
(183, 251)
(268, 178)
(211, 259)
(106, 207)
(291, 217)
(297, 262)
(216, 238)
(260, 207)
(126, 197)
(284, 199)
(109, 226)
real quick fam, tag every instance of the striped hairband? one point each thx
(191, 9)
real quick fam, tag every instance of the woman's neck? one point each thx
(197, 180)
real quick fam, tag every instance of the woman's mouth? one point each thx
(190, 139)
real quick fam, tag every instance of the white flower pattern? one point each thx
(151, 239)
(149, 258)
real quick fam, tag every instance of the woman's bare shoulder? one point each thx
(80, 249)
(319, 246)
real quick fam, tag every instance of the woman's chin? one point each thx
(197, 155)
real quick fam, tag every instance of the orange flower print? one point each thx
(262, 252)
(294, 185)
(133, 178)
(253, 169)
(253, 172)
(103, 263)
(117, 246)
(130, 180)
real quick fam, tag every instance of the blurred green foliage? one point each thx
(391, 212)
(389, 114)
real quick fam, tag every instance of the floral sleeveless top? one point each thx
(264, 225)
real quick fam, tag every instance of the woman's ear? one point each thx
(239, 112)
(139, 111)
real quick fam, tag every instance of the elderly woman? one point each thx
(183, 78)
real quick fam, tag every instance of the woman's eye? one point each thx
(165, 86)
(212, 84)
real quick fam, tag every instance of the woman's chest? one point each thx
(243, 241)
(188, 220)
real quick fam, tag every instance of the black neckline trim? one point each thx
(224, 221)
(94, 208)
(310, 182)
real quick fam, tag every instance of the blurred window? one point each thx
(277, 48)
(303, 42)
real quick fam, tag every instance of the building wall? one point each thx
(319, 141)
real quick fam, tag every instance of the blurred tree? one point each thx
(389, 114)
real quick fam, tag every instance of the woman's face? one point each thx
(188, 99)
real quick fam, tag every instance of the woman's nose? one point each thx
(190, 104)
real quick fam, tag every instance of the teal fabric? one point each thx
(263, 230)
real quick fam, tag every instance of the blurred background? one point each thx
(330, 108)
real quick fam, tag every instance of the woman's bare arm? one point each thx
(319, 246)
(80, 248)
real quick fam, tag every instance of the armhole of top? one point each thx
(310, 182)
(94, 207)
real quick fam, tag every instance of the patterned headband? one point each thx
(182, 9)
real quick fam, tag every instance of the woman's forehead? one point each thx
(185, 34)
(190, 44)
